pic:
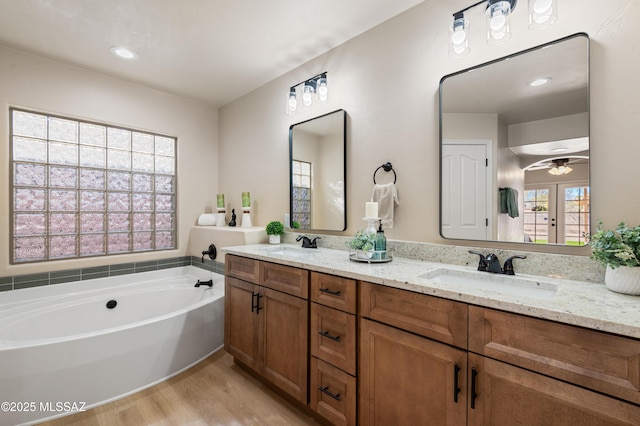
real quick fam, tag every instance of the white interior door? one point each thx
(464, 191)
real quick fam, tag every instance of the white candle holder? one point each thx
(371, 224)
(222, 217)
(246, 217)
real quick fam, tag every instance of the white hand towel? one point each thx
(386, 195)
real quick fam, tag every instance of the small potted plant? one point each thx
(364, 244)
(274, 230)
(619, 251)
(295, 225)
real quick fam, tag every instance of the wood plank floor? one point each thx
(214, 392)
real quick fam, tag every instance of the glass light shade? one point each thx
(322, 89)
(307, 95)
(292, 102)
(560, 170)
(459, 37)
(542, 13)
(497, 16)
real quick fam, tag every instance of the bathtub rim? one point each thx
(54, 302)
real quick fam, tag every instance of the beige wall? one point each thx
(387, 81)
(31, 82)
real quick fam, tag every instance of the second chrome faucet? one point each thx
(491, 263)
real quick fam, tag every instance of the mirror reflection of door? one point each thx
(557, 213)
(464, 190)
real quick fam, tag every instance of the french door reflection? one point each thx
(557, 213)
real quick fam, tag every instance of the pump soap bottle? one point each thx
(381, 243)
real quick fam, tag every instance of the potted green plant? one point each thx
(363, 244)
(295, 225)
(619, 251)
(274, 230)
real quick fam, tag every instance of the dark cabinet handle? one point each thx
(456, 385)
(325, 389)
(474, 394)
(328, 336)
(333, 293)
(255, 302)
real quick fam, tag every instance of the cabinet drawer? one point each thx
(589, 358)
(333, 337)
(332, 393)
(439, 319)
(337, 292)
(243, 268)
(287, 279)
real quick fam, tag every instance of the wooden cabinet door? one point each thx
(600, 361)
(508, 395)
(284, 341)
(241, 321)
(409, 380)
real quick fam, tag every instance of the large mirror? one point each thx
(318, 170)
(514, 145)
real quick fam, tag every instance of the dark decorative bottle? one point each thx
(381, 243)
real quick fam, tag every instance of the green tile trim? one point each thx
(16, 282)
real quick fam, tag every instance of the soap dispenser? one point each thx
(381, 243)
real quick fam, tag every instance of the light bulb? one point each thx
(322, 89)
(459, 45)
(307, 96)
(542, 13)
(292, 102)
(498, 22)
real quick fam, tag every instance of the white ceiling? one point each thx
(211, 50)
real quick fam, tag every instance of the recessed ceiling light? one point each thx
(540, 81)
(124, 53)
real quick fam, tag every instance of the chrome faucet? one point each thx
(490, 263)
(308, 243)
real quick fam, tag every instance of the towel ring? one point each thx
(387, 167)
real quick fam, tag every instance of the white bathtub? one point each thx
(63, 350)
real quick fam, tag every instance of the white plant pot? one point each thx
(274, 239)
(623, 279)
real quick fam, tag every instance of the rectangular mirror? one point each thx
(318, 171)
(514, 147)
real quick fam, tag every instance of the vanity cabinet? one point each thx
(411, 371)
(333, 338)
(361, 353)
(528, 368)
(266, 321)
(510, 395)
(417, 368)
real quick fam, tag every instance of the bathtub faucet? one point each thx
(211, 252)
(207, 283)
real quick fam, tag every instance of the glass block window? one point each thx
(83, 189)
(301, 193)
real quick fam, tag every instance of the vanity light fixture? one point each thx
(560, 167)
(542, 13)
(124, 53)
(317, 87)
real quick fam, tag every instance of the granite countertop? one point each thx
(585, 304)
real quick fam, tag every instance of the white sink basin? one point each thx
(510, 284)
